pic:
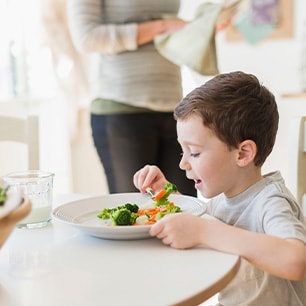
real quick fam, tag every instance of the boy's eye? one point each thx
(194, 154)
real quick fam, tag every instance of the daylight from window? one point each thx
(25, 63)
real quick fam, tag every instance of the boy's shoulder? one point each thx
(251, 208)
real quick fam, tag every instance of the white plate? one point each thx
(13, 200)
(82, 214)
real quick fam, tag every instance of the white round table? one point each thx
(61, 266)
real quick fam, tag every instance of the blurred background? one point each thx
(41, 73)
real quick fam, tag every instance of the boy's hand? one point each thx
(149, 176)
(180, 230)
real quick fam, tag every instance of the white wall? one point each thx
(53, 136)
(275, 62)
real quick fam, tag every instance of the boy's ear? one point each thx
(247, 150)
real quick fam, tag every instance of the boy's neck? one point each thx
(246, 178)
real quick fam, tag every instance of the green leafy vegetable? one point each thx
(3, 194)
(120, 215)
(124, 216)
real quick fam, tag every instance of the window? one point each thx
(25, 63)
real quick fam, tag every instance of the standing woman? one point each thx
(133, 88)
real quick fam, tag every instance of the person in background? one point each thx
(134, 89)
(227, 128)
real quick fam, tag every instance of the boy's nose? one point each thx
(184, 165)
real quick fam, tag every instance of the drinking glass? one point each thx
(37, 186)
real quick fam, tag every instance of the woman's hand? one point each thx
(227, 15)
(8, 223)
(149, 176)
(19, 213)
(148, 30)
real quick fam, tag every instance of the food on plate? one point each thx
(121, 215)
(149, 213)
(3, 195)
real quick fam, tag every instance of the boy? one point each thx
(227, 129)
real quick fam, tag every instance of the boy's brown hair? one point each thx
(236, 107)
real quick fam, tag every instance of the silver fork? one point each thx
(150, 192)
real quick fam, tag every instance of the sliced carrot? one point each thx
(152, 216)
(150, 222)
(141, 212)
(148, 211)
(152, 209)
(160, 195)
(151, 212)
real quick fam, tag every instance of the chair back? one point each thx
(297, 169)
(25, 131)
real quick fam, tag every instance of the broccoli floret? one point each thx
(117, 214)
(171, 209)
(160, 215)
(170, 188)
(123, 216)
(105, 213)
(132, 207)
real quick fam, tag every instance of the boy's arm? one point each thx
(285, 258)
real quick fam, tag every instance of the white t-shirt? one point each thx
(266, 207)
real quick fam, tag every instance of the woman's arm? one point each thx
(8, 223)
(89, 34)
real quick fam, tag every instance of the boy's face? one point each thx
(206, 159)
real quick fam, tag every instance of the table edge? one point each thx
(216, 287)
